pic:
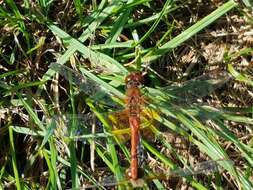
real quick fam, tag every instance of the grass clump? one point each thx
(54, 126)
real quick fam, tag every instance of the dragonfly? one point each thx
(134, 106)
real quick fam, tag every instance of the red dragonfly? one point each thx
(134, 103)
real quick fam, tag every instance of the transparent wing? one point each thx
(80, 127)
(95, 87)
(206, 168)
(85, 84)
(192, 90)
(186, 93)
(191, 97)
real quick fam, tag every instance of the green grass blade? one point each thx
(103, 84)
(98, 59)
(113, 45)
(10, 73)
(73, 160)
(115, 167)
(185, 35)
(32, 114)
(153, 27)
(118, 26)
(238, 76)
(27, 131)
(49, 132)
(85, 35)
(26, 85)
(51, 171)
(14, 161)
(54, 164)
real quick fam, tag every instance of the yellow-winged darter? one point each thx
(161, 108)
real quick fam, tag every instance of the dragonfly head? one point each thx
(134, 79)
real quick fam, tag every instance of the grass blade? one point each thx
(185, 35)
